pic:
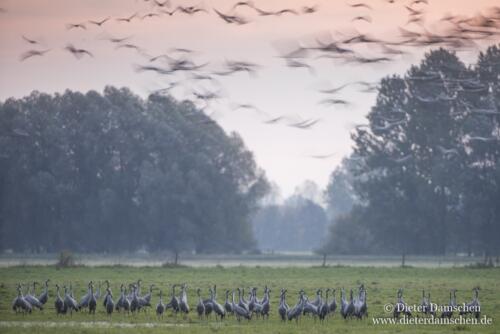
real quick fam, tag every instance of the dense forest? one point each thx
(112, 172)
(424, 175)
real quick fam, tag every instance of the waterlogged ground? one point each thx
(381, 284)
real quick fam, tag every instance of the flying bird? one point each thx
(274, 120)
(244, 4)
(304, 124)
(231, 18)
(100, 23)
(78, 53)
(118, 40)
(191, 10)
(165, 3)
(169, 13)
(298, 64)
(29, 40)
(360, 5)
(33, 53)
(334, 102)
(365, 18)
(127, 19)
(309, 9)
(70, 26)
(285, 11)
(149, 15)
(334, 90)
(129, 46)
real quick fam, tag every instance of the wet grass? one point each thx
(381, 284)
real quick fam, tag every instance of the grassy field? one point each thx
(381, 284)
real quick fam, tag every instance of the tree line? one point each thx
(112, 172)
(424, 174)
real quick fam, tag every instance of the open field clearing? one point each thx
(262, 260)
(381, 285)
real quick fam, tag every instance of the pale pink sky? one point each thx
(282, 151)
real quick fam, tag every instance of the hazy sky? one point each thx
(276, 90)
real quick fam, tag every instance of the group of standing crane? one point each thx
(427, 307)
(132, 301)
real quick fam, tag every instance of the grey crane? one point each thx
(59, 302)
(183, 301)
(84, 301)
(92, 300)
(254, 305)
(364, 306)
(174, 301)
(69, 301)
(432, 307)
(44, 296)
(266, 303)
(241, 299)
(474, 306)
(32, 299)
(209, 305)
(218, 309)
(309, 308)
(324, 308)
(360, 307)
(240, 312)
(138, 285)
(160, 307)
(146, 299)
(110, 304)
(318, 299)
(227, 305)
(20, 303)
(106, 296)
(200, 307)
(253, 298)
(123, 303)
(448, 309)
(134, 303)
(343, 304)
(296, 311)
(350, 306)
(401, 307)
(333, 304)
(424, 304)
(283, 306)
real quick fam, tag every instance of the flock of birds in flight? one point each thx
(132, 301)
(453, 31)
